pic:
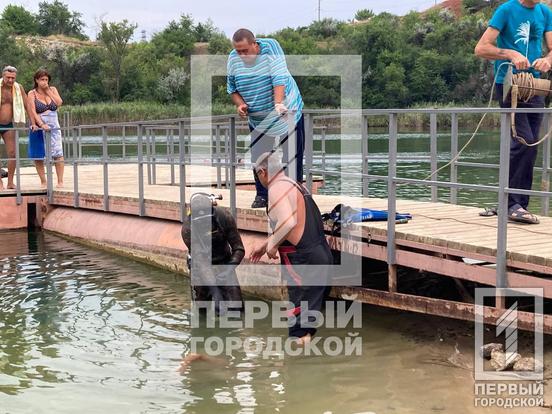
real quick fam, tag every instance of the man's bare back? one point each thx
(285, 188)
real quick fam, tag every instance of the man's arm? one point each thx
(29, 109)
(233, 237)
(486, 48)
(545, 64)
(240, 104)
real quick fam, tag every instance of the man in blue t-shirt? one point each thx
(515, 34)
(264, 91)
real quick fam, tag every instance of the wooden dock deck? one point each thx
(438, 239)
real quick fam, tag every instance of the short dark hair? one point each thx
(243, 34)
(39, 74)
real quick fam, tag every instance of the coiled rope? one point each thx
(524, 87)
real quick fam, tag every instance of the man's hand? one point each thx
(519, 61)
(273, 253)
(542, 65)
(45, 127)
(257, 253)
(242, 110)
(280, 108)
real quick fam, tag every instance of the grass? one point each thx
(98, 113)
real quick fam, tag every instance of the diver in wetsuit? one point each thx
(211, 232)
(298, 237)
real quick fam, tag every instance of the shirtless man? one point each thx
(8, 116)
(298, 238)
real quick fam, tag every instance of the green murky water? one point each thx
(86, 331)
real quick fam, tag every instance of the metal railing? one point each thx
(150, 144)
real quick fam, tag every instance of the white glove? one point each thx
(280, 108)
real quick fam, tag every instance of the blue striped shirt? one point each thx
(255, 83)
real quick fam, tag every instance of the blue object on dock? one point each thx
(366, 214)
(343, 215)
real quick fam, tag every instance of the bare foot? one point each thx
(305, 340)
(193, 357)
(11, 186)
(59, 185)
(43, 185)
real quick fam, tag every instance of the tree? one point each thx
(56, 19)
(177, 38)
(219, 44)
(205, 31)
(364, 14)
(115, 37)
(17, 20)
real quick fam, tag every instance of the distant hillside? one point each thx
(56, 41)
(456, 6)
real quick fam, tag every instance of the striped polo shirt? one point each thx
(255, 83)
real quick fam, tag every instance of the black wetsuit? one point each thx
(216, 280)
(310, 282)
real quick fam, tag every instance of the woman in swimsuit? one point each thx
(44, 101)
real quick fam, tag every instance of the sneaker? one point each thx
(259, 202)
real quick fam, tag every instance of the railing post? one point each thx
(323, 149)
(154, 157)
(453, 154)
(171, 154)
(124, 141)
(140, 151)
(19, 199)
(49, 177)
(105, 169)
(80, 143)
(218, 159)
(75, 169)
(364, 146)
(502, 227)
(182, 169)
(391, 200)
(233, 139)
(433, 151)
(227, 157)
(309, 148)
(545, 181)
(148, 154)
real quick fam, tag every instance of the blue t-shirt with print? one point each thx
(522, 29)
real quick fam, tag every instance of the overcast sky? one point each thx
(259, 15)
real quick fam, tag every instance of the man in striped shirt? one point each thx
(265, 93)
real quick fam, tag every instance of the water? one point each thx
(343, 155)
(86, 331)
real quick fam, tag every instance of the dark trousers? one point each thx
(261, 143)
(304, 284)
(522, 157)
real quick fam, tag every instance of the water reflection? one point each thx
(82, 330)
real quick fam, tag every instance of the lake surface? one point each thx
(85, 331)
(343, 155)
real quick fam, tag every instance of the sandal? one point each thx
(521, 215)
(489, 212)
